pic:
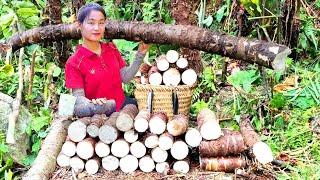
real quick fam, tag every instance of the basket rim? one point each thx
(164, 87)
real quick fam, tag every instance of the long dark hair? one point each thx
(85, 10)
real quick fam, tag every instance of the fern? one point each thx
(310, 32)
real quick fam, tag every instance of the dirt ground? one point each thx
(195, 173)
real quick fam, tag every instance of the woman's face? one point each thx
(93, 27)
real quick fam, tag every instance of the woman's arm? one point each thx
(84, 107)
(127, 73)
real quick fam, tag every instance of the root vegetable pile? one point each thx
(130, 139)
(170, 69)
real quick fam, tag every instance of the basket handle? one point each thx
(175, 102)
(149, 100)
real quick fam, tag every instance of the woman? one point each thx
(96, 70)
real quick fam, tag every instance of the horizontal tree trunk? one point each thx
(151, 140)
(264, 53)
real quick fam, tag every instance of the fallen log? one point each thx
(264, 53)
(45, 163)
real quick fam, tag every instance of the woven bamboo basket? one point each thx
(162, 98)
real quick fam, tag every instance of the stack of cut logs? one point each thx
(130, 140)
(170, 69)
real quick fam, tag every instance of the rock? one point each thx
(17, 151)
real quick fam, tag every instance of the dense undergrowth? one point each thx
(284, 105)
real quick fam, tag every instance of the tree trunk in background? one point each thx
(291, 25)
(182, 12)
(61, 49)
(76, 5)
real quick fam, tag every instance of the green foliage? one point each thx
(198, 106)
(278, 101)
(252, 6)
(243, 79)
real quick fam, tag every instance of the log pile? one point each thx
(129, 140)
(170, 69)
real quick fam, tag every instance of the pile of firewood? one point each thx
(170, 70)
(130, 140)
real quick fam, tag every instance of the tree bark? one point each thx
(126, 116)
(222, 164)
(76, 5)
(266, 54)
(183, 13)
(45, 162)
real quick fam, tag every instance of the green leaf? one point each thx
(27, 12)
(7, 69)
(304, 102)
(278, 101)
(56, 71)
(220, 13)
(36, 146)
(243, 79)
(8, 175)
(6, 20)
(124, 45)
(29, 159)
(39, 122)
(208, 21)
(3, 148)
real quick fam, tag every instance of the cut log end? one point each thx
(128, 164)
(279, 62)
(210, 130)
(141, 125)
(193, 137)
(63, 160)
(108, 134)
(155, 79)
(69, 148)
(151, 141)
(181, 167)
(165, 141)
(146, 164)
(163, 168)
(182, 63)
(85, 148)
(159, 155)
(171, 77)
(92, 166)
(120, 148)
(102, 149)
(138, 149)
(172, 56)
(76, 164)
(189, 77)
(179, 150)
(158, 122)
(110, 163)
(262, 152)
(130, 136)
(77, 131)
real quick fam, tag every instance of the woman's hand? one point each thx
(99, 101)
(143, 47)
